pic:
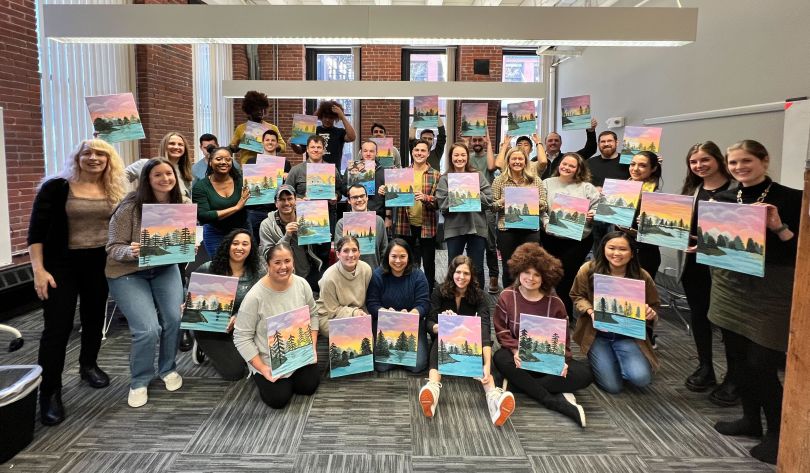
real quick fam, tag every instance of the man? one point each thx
(201, 165)
(525, 143)
(281, 225)
(435, 157)
(255, 105)
(554, 143)
(358, 199)
(484, 161)
(334, 138)
(606, 165)
(378, 131)
(257, 213)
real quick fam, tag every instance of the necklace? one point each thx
(761, 197)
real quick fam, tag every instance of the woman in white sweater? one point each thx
(343, 286)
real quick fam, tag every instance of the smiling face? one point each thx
(420, 153)
(398, 260)
(703, 164)
(348, 255)
(175, 148)
(459, 158)
(427, 136)
(377, 132)
(462, 277)
(618, 253)
(553, 143)
(221, 162)
(607, 145)
(368, 150)
(286, 204)
(746, 168)
(640, 168)
(530, 279)
(525, 145)
(517, 162)
(162, 180)
(477, 143)
(568, 167)
(280, 266)
(358, 199)
(240, 248)
(270, 143)
(92, 162)
(315, 151)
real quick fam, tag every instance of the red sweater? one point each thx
(507, 316)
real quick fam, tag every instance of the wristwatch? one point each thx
(780, 228)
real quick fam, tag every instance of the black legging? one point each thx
(539, 385)
(697, 285)
(649, 257)
(304, 380)
(219, 348)
(571, 254)
(508, 241)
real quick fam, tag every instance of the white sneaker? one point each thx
(137, 397)
(173, 381)
(570, 397)
(429, 397)
(501, 405)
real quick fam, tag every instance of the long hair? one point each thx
(113, 177)
(528, 171)
(601, 265)
(221, 262)
(583, 173)
(401, 243)
(468, 167)
(447, 288)
(655, 166)
(184, 163)
(692, 180)
(144, 194)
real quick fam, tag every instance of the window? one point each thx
(520, 66)
(332, 64)
(213, 113)
(422, 66)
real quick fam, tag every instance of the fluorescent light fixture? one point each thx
(369, 24)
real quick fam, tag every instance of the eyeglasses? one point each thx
(357, 197)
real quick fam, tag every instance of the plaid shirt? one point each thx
(504, 180)
(402, 225)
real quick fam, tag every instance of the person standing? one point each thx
(175, 148)
(484, 161)
(554, 145)
(333, 137)
(358, 199)
(255, 105)
(427, 135)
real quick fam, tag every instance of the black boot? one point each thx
(725, 395)
(94, 376)
(186, 341)
(51, 410)
(702, 379)
(558, 403)
(750, 425)
(767, 450)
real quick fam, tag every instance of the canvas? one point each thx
(320, 181)
(252, 137)
(363, 226)
(313, 222)
(460, 346)
(464, 191)
(209, 302)
(639, 138)
(522, 207)
(399, 187)
(397, 337)
(665, 219)
(732, 236)
(302, 128)
(289, 338)
(115, 117)
(576, 112)
(473, 119)
(263, 179)
(426, 111)
(362, 172)
(167, 234)
(350, 346)
(619, 306)
(541, 346)
(385, 151)
(521, 118)
(618, 203)
(567, 215)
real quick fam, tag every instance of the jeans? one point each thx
(475, 250)
(150, 299)
(615, 358)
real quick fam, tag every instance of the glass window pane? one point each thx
(431, 67)
(338, 66)
(521, 68)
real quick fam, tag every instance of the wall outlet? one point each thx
(615, 122)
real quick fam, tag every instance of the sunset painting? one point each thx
(115, 117)
(474, 119)
(350, 346)
(639, 138)
(665, 219)
(385, 151)
(303, 126)
(460, 346)
(521, 207)
(567, 215)
(399, 187)
(290, 341)
(464, 191)
(426, 111)
(252, 137)
(619, 305)
(521, 118)
(263, 179)
(541, 346)
(396, 339)
(320, 181)
(363, 226)
(619, 202)
(576, 112)
(313, 222)
(209, 302)
(732, 236)
(167, 234)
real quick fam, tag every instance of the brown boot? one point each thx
(493, 285)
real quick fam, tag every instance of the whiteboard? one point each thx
(795, 143)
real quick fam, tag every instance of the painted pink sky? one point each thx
(349, 333)
(620, 288)
(261, 169)
(628, 190)
(426, 102)
(168, 216)
(111, 106)
(570, 203)
(575, 102)
(359, 221)
(521, 108)
(464, 181)
(542, 328)
(455, 329)
(317, 210)
(384, 146)
(224, 287)
(668, 206)
(391, 323)
(304, 120)
(643, 135)
(288, 322)
(474, 111)
(399, 177)
(747, 221)
(262, 158)
(523, 195)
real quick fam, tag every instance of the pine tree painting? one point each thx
(624, 300)
(394, 344)
(209, 302)
(732, 236)
(459, 342)
(351, 338)
(542, 344)
(286, 353)
(160, 223)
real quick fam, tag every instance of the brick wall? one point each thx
(380, 63)
(22, 115)
(465, 61)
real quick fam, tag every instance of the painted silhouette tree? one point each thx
(277, 351)
(291, 344)
(411, 343)
(334, 353)
(365, 347)
(381, 347)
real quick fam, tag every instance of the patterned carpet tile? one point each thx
(237, 463)
(114, 462)
(353, 462)
(589, 463)
(453, 464)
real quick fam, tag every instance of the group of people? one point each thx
(84, 242)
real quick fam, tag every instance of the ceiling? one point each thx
(525, 3)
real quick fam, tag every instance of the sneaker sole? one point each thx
(507, 408)
(581, 415)
(426, 401)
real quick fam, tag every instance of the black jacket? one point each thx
(49, 224)
(439, 304)
(586, 152)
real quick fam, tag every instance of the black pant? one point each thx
(508, 241)
(424, 251)
(697, 285)
(758, 381)
(571, 254)
(491, 252)
(649, 257)
(219, 348)
(80, 276)
(304, 380)
(540, 385)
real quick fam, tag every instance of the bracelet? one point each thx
(780, 229)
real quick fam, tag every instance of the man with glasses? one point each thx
(358, 199)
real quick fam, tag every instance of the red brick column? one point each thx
(464, 72)
(380, 63)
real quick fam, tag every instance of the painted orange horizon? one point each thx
(347, 341)
(745, 221)
(643, 135)
(629, 191)
(208, 295)
(569, 203)
(668, 206)
(164, 229)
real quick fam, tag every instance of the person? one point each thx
(602, 166)
(255, 105)
(536, 273)
(201, 165)
(427, 135)
(515, 174)
(459, 295)
(257, 213)
(66, 239)
(175, 148)
(756, 339)
(343, 285)
(378, 131)
(150, 296)
(376, 201)
(484, 161)
(614, 357)
(464, 229)
(537, 164)
(358, 199)
(220, 199)
(333, 138)
(706, 176)
(281, 226)
(554, 145)
(573, 178)
(645, 168)
(237, 256)
(280, 290)
(397, 285)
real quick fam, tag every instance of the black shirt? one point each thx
(602, 169)
(335, 139)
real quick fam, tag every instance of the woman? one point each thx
(237, 256)
(706, 175)
(220, 199)
(515, 174)
(398, 286)
(417, 224)
(460, 295)
(150, 297)
(757, 339)
(255, 105)
(614, 357)
(278, 291)
(645, 168)
(173, 147)
(66, 238)
(343, 285)
(464, 229)
(536, 273)
(572, 177)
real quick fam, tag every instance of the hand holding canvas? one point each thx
(135, 249)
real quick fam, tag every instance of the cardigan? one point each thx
(49, 223)
(439, 303)
(464, 223)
